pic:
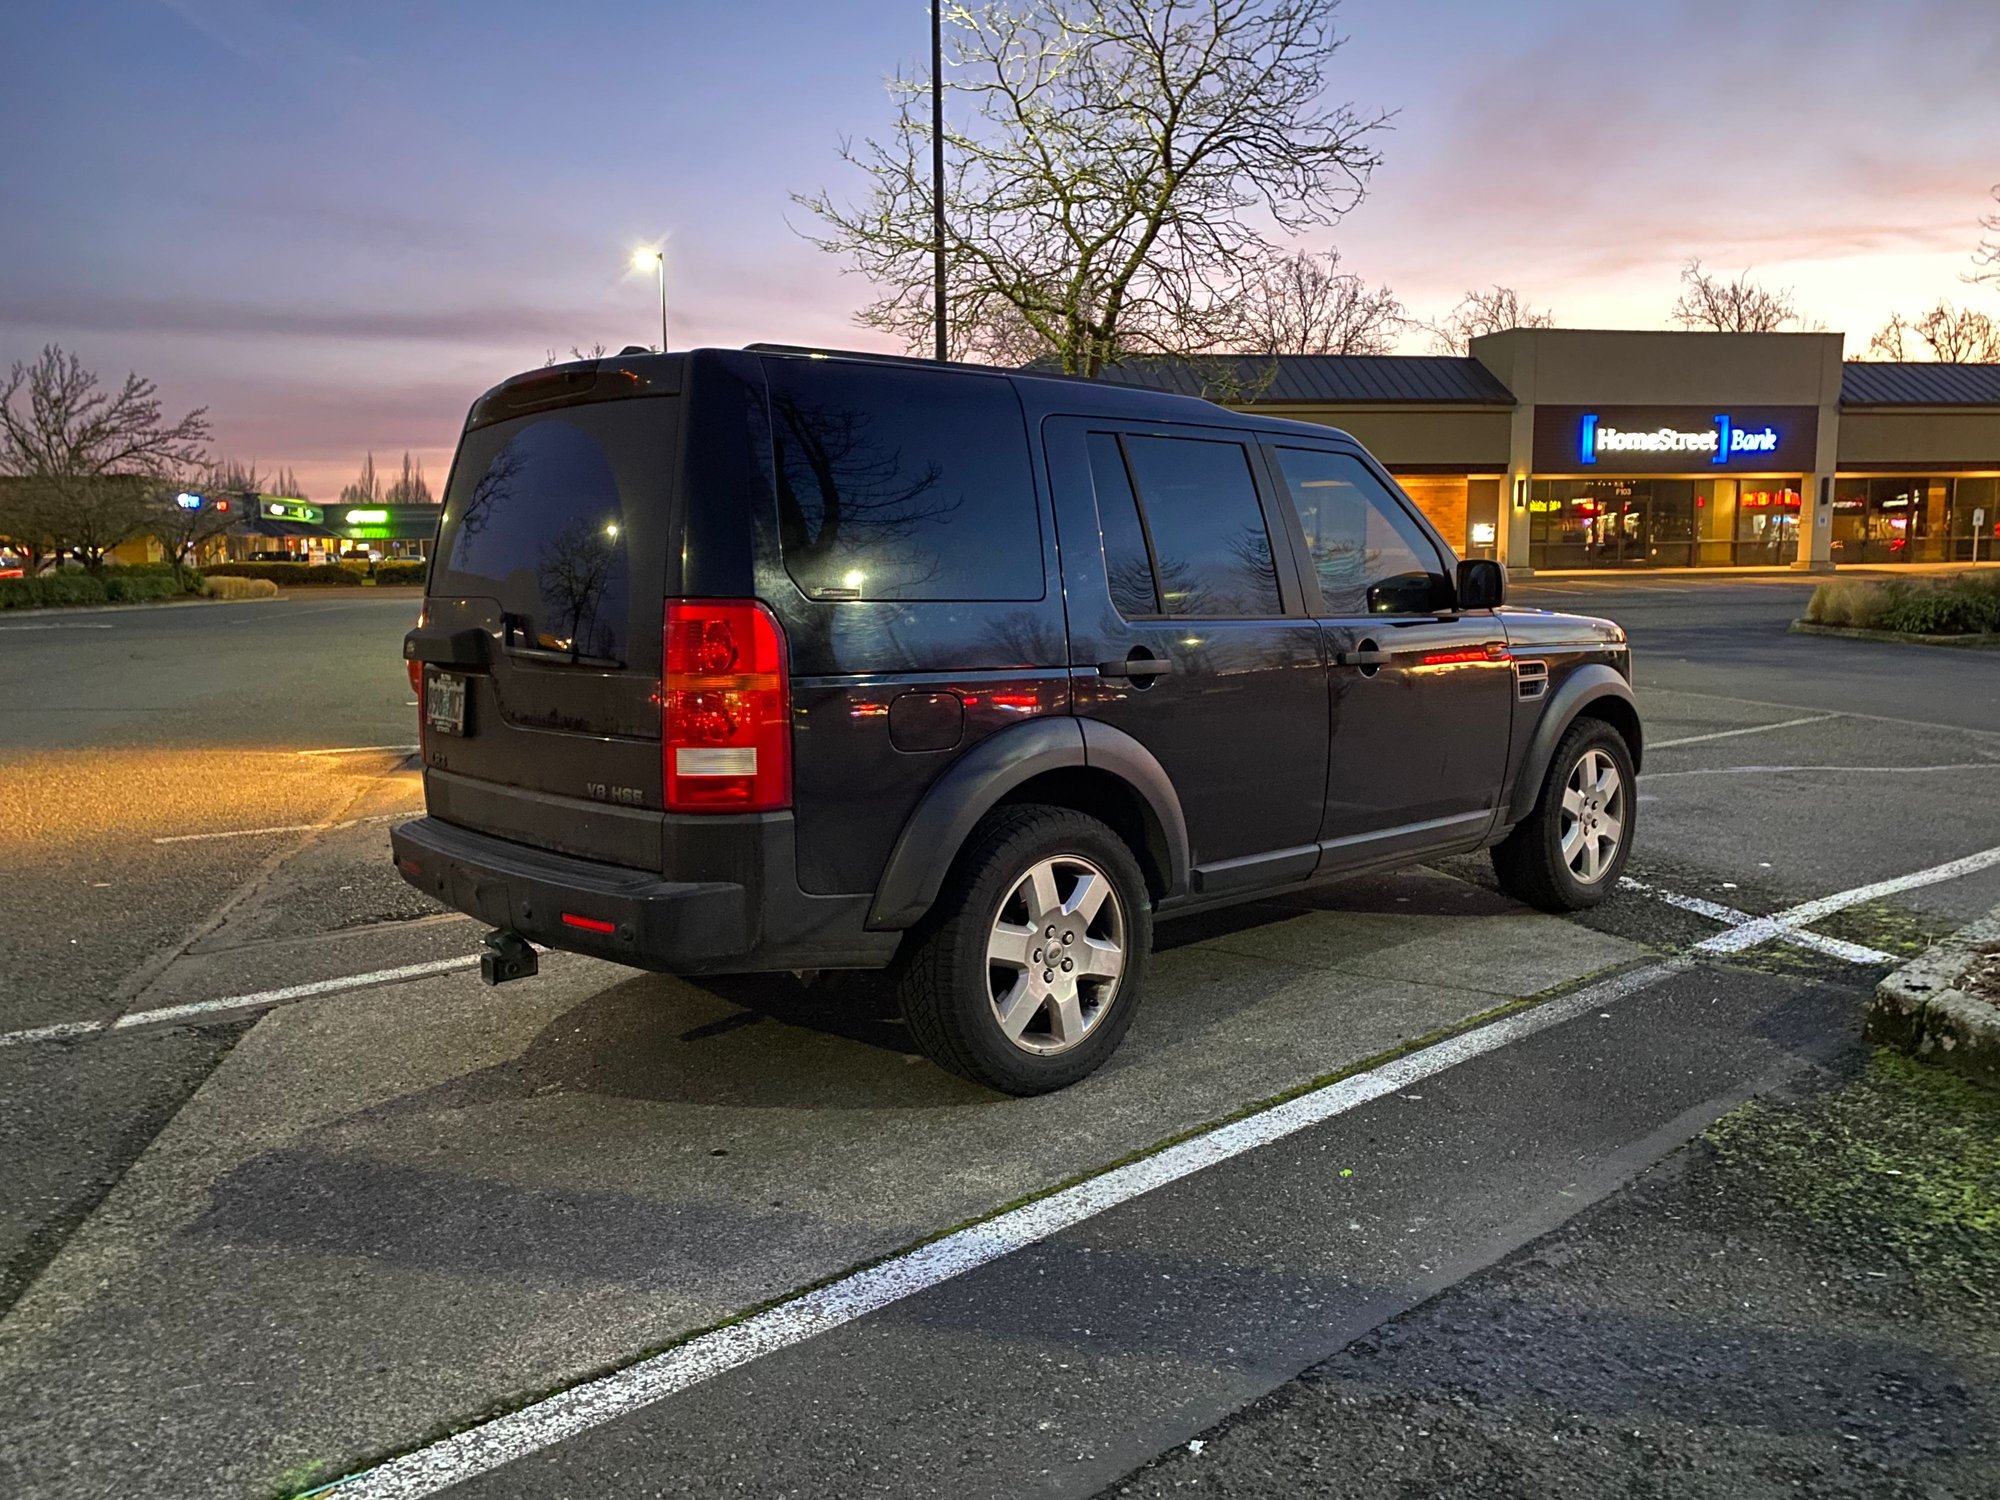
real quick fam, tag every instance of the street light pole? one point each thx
(937, 173)
(657, 258)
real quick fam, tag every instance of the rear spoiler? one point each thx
(612, 379)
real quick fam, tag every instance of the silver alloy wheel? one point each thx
(1054, 955)
(1593, 816)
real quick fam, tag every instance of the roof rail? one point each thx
(869, 357)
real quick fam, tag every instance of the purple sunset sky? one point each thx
(336, 223)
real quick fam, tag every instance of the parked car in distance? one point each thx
(773, 659)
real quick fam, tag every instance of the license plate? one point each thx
(444, 703)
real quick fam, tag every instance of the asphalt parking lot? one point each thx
(293, 1194)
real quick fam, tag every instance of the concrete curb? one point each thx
(1926, 1010)
(1981, 642)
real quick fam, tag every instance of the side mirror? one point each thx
(1408, 594)
(1482, 584)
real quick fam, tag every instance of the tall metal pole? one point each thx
(937, 173)
(663, 299)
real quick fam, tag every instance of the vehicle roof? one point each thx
(1042, 394)
(1046, 394)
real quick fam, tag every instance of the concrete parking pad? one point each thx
(396, 1210)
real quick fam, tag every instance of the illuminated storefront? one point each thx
(1564, 449)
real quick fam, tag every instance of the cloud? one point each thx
(484, 325)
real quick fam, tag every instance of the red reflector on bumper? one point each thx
(588, 924)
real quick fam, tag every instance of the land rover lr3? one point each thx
(768, 659)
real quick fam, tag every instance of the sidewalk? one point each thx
(1806, 1300)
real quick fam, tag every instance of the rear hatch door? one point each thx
(541, 634)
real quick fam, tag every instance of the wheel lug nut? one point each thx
(1048, 976)
(1068, 964)
(1038, 955)
(1069, 937)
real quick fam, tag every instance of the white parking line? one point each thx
(1729, 916)
(247, 833)
(1730, 734)
(63, 625)
(167, 1015)
(1792, 918)
(354, 749)
(569, 1413)
(1973, 765)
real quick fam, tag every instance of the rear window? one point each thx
(562, 520)
(902, 484)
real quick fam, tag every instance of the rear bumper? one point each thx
(756, 919)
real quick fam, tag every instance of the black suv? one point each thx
(769, 659)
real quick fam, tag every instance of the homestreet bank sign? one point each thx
(1669, 440)
(1722, 442)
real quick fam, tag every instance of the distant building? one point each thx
(1564, 448)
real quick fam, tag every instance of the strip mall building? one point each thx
(1555, 448)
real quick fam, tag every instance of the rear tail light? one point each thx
(725, 708)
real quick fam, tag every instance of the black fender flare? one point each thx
(1590, 683)
(977, 781)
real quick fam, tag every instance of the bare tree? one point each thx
(1305, 304)
(212, 506)
(1986, 255)
(595, 351)
(1738, 306)
(367, 486)
(286, 483)
(1950, 334)
(1114, 165)
(92, 457)
(1477, 312)
(410, 487)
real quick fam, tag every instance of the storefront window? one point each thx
(1975, 520)
(1767, 522)
(1897, 519)
(1665, 523)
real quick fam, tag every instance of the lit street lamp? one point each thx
(654, 258)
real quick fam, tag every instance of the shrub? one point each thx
(1851, 604)
(343, 575)
(1962, 606)
(226, 587)
(121, 588)
(400, 571)
(1944, 611)
(50, 589)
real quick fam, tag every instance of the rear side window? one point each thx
(902, 484)
(1370, 556)
(1128, 565)
(554, 517)
(1211, 551)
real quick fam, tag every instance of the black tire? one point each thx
(1531, 863)
(946, 980)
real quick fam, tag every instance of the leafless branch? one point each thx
(1114, 166)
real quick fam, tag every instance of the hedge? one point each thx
(1968, 604)
(401, 570)
(344, 575)
(81, 588)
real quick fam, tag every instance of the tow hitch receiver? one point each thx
(508, 956)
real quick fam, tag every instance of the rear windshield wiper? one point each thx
(512, 642)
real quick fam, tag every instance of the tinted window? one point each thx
(902, 484)
(1370, 556)
(1210, 547)
(1128, 567)
(546, 514)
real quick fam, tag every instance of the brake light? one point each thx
(725, 708)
